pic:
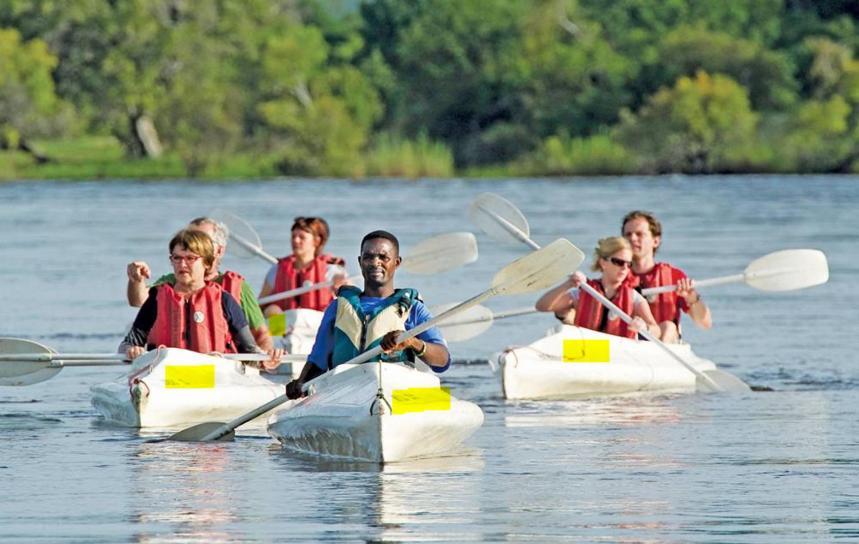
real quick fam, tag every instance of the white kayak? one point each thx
(378, 413)
(172, 387)
(577, 363)
(295, 331)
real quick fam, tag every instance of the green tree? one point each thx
(318, 116)
(701, 125)
(768, 75)
(29, 106)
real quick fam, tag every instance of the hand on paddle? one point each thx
(274, 361)
(686, 289)
(133, 352)
(389, 343)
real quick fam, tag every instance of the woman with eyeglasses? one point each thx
(191, 313)
(307, 265)
(612, 257)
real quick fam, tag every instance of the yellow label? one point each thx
(586, 351)
(189, 377)
(420, 399)
(277, 325)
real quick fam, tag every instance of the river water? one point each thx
(779, 466)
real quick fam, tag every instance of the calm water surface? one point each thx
(773, 467)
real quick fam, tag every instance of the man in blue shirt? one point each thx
(359, 320)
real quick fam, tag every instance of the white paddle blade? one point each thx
(242, 234)
(441, 253)
(23, 372)
(489, 212)
(466, 325)
(727, 382)
(539, 270)
(787, 270)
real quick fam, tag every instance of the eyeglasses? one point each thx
(620, 262)
(190, 259)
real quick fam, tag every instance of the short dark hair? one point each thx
(382, 234)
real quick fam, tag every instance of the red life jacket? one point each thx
(232, 283)
(198, 324)
(289, 278)
(589, 311)
(665, 306)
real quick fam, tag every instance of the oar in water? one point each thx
(489, 208)
(25, 362)
(785, 270)
(431, 256)
(533, 272)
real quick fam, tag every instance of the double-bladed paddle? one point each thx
(25, 362)
(500, 216)
(535, 271)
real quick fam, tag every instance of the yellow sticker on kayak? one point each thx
(189, 377)
(420, 399)
(586, 351)
(277, 325)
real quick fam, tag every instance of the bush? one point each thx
(421, 157)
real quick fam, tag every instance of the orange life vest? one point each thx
(664, 306)
(589, 311)
(232, 283)
(198, 323)
(288, 277)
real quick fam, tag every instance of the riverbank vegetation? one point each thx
(261, 88)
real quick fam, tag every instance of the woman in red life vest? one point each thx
(612, 257)
(191, 312)
(307, 265)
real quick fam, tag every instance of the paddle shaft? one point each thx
(250, 246)
(97, 358)
(734, 278)
(301, 290)
(497, 315)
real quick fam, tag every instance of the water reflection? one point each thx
(182, 492)
(427, 499)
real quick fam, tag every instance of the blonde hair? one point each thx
(198, 243)
(606, 247)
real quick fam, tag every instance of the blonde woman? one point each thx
(612, 257)
(192, 312)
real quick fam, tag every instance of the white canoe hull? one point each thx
(299, 328)
(177, 388)
(594, 364)
(344, 418)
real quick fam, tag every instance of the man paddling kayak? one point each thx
(191, 312)
(644, 233)
(138, 272)
(360, 320)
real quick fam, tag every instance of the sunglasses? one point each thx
(620, 262)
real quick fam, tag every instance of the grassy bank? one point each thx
(103, 157)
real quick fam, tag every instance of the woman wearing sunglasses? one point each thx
(307, 265)
(612, 257)
(192, 313)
